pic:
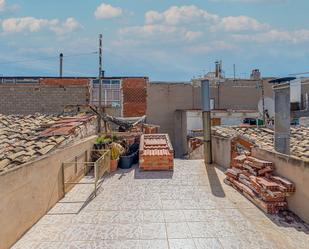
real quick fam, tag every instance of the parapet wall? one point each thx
(292, 168)
(295, 170)
(29, 191)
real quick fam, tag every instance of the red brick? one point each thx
(65, 81)
(156, 152)
(134, 96)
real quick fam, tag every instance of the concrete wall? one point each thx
(239, 94)
(295, 170)
(180, 134)
(165, 98)
(221, 151)
(32, 98)
(29, 191)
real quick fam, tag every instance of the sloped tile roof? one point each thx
(24, 138)
(264, 138)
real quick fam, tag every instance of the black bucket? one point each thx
(126, 162)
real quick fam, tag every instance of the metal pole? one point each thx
(100, 82)
(234, 69)
(263, 100)
(206, 122)
(61, 65)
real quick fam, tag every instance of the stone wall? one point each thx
(48, 99)
(29, 191)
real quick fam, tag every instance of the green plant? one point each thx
(114, 138)
(103, 140)
(115, 152)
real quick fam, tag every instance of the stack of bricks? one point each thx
(156, 152)
(253, 177)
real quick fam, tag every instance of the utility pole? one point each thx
(206, 122)
(61, 65)
(100, 83)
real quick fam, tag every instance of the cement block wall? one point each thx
(28, 192)
(32, 98)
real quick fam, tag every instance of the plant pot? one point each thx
(114, 165)
(126, 162)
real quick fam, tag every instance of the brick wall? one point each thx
(134, 95)
(32, 98)
(64, 81)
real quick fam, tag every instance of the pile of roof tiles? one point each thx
(65, 126)
(264, 138)
(253, 177)
(24, 138)
(156, 152)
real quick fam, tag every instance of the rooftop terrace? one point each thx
(188, 208)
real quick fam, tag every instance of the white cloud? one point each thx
(105, 11)
(213, 46)
(239, 23)
(15, 25)
(192, 35)
(5, 7)
(166, 32)
(176, 15)
(251, 1)
(32, 24)
(296, 36)
(70, 25)
(2, 5)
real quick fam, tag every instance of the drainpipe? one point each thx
(206, 122)
(282, 118)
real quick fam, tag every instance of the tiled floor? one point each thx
(188, 208)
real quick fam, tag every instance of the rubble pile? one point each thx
(254, 178)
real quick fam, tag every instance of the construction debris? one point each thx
(156, 152)
(253, 177)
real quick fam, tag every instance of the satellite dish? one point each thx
(269, 105)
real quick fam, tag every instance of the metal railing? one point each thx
(100, 167)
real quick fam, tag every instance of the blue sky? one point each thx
(162, 39)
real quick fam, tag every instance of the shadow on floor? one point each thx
(287, 218)
(214, 181)
(138, 174)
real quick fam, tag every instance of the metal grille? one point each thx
(111, 96)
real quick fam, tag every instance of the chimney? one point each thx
(217, 73)
(282, 118)
(61, 65)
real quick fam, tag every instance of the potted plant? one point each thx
(115, 152)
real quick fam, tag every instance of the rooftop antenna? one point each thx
(100, 82)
